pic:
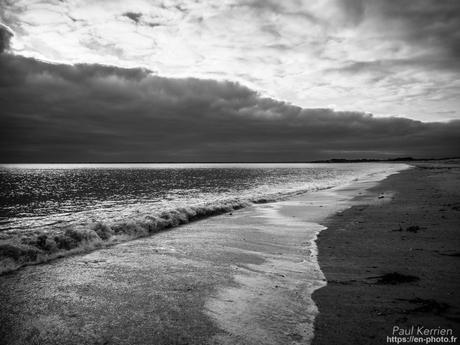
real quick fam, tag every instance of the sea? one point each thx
(51, 210)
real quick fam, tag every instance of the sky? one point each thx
(230, 80)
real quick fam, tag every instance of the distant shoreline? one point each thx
(331, 160)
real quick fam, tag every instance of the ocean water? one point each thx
(53, 210)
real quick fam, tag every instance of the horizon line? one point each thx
(327, 160)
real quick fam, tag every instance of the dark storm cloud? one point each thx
(5, 37)
(52, 112)
(134, 16)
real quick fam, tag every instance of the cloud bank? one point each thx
(90, 112)
(388, 57)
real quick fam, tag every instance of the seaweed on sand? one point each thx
(395, 278)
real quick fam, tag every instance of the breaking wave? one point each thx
(39, 247)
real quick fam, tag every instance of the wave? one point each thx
(39, 247)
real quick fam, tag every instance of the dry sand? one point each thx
(415, 233)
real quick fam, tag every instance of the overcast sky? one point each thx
(234, 80)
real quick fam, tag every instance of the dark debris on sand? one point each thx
(412, 228)
(396, 278)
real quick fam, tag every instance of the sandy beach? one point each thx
(247, 277)
(414, 234)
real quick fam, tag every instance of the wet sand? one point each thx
(241, 278)
(416, 233)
